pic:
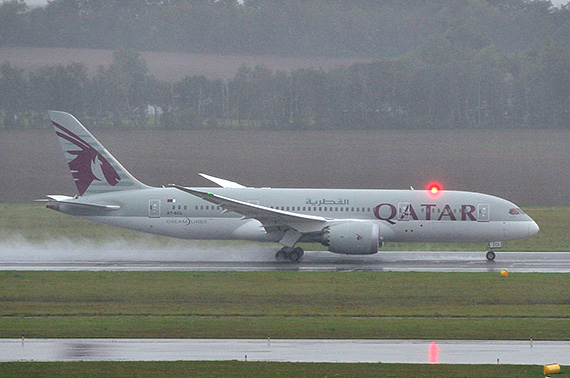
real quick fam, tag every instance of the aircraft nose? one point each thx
(533, 228)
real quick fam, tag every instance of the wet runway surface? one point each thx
(387, 351)
(137, 260)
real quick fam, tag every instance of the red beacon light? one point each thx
(434, 188)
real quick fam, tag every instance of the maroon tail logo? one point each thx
(88, 164)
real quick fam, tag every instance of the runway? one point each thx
(156, 260)
(386, 351)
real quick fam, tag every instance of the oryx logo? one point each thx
(88, 164)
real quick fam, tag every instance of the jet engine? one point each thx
(352, 238)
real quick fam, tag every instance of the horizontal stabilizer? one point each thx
(71, 201)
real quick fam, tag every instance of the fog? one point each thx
(18, 249)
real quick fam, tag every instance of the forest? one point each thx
(436, 64)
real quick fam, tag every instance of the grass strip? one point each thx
(285, 304)
(261, 369)
(285, 293)
(284, 328)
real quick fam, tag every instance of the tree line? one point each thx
(366, 28)
(446, 83)
(440, 63)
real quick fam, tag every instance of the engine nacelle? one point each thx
(353, 238)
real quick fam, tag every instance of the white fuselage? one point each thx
(402, 215)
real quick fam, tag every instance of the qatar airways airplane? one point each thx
(347, 221)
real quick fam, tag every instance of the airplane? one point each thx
(347, 221)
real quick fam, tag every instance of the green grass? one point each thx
(34, 223)
(301, 294)
(263, 369)
(285, 305)
(283, 327)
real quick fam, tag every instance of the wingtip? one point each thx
(55, 113)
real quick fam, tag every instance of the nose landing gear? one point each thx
(491, 254)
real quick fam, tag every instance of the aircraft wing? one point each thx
(268, 217)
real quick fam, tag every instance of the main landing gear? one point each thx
(291, 254)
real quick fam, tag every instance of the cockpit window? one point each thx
(515, 211)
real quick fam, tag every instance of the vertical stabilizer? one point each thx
(93, 168)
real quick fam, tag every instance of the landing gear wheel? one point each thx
(296, 254)
(490, 256)
(291, 254)
(280, 255)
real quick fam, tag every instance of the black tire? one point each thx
(296, 255)
(280, 255)
(490, 256)
(300, 251)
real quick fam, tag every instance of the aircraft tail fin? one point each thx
(93, 168)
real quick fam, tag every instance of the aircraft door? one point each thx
(483, 213)
(403, 211)
(154, 208)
